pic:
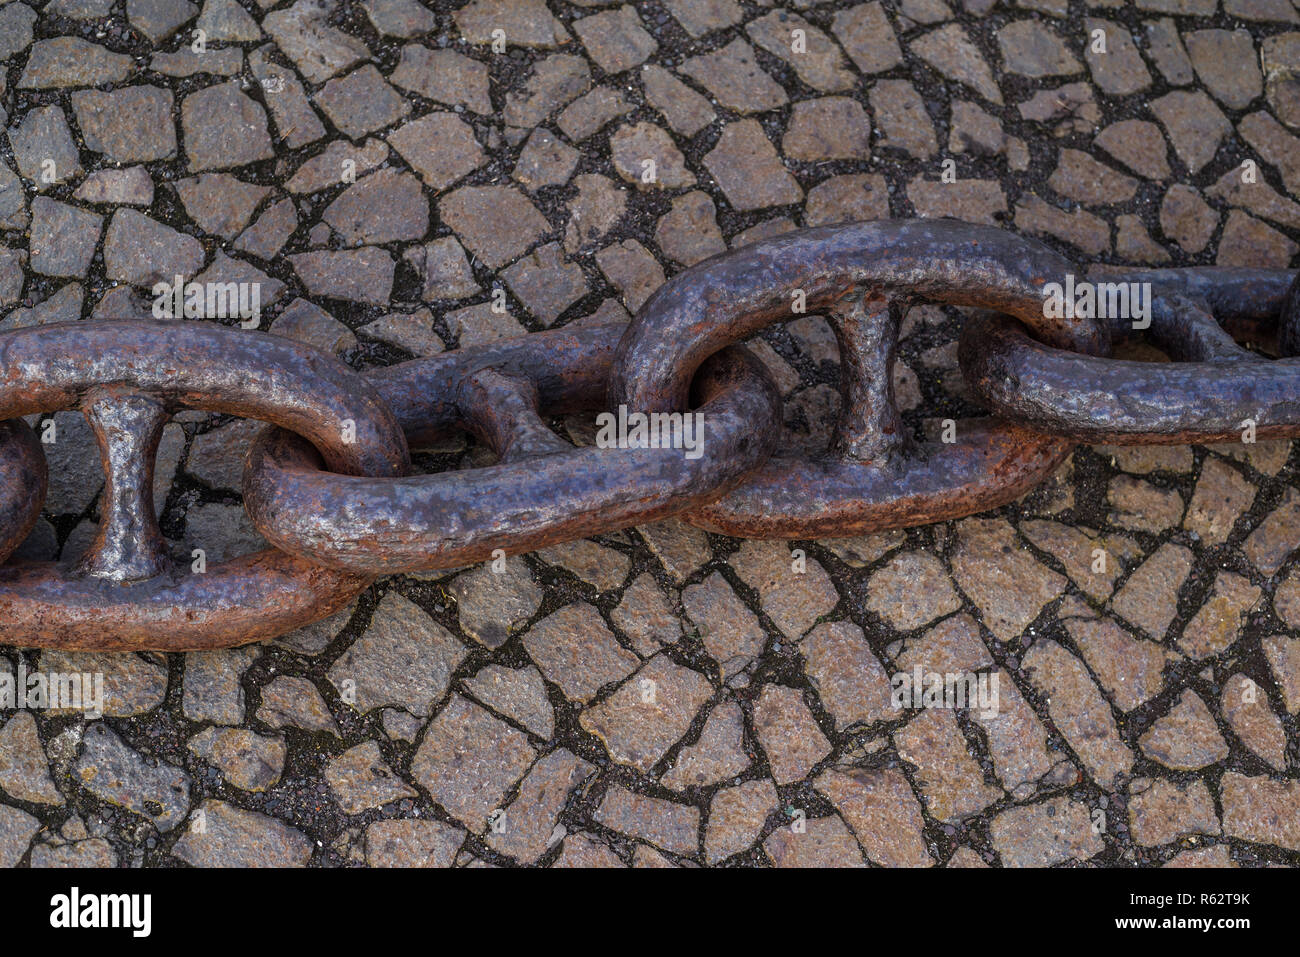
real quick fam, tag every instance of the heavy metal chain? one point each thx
(329, 483)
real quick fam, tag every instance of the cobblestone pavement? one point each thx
(663, 697)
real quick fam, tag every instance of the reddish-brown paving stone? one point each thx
(788, 733)
(822, 842)
(883, 813)
(949, 779)
(1186, 739)
(1039, 835)
(1261, 810)
(1162, 811)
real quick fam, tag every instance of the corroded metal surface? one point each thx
(127, 377)
(873, 476)
(1210, 393)
(542, 491)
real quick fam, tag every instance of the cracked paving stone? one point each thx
(580, 851)
(592, 112)
(222, 531)
(1283, 653)
(17, 828)
(595, 212)
(951, 645)
(1187, 219)
(950, 780)
(212, 686)
(159, 19)
(405, 658)
(1167, 51)
(645, 156)
(226, 21)
(399, 18)
(24, 769)
(883, 813)
(615, 39)
(386, 206)
(794, 598)
(1032, 49)
(306, 322)
(599, 566)
(556, 81)
(1137, 144)
(185, 63)
(1071, 108)
(13, 202)
(1273, 541)
(269, 233)
(735, 79)
(1078, 710)
(853, 197)
(95, 852)
(475, 325)
(737, 816)
(517, 694)
(1162, 811)
(412, 843)
(1075, 549)
(132, 684)
(1261, 810)
(247, 760)
(974, 201)
(1275, 145)
(1228, 65)
(43, 148)
(320, 51)
(1245, 706)
(632, 270)
(1286, 599)
(444, 76)
(118, 774)
(788, 733)
(1280, 58)
(1248, 243)
(949, 51)
(63, 238)
(1149, 598)
(831, 128)
(117, 187)
(1134, 244)
(547, 285)
(296, 123)
(910, 590)
(493, 604)
(327, 169)
(1196, 126)
(219, 203)
(1185, 739)
(1008, 586)
(1222, 619)
(1040, 835)
(360, 779)
(689, 233)
(469, 760)
(362, 275)
(699, 17)
(294, 702)
(1017, 741)
(130, 125)
(1080, 177)
(447, 273)
(233, 837)
(812, 54)
(1130, 670)
(686, 111)
(645, 717)
(71, 61)
(665, 824)
(1119, 70)
(749, 170)
(1256, 197)
(15, 29)
(717, 756)
(525, 830)
(823, 842)
(575, 650)
(848, 678)
(361, 102)
(1141, 506)
(545, 161)
(525, 22)
(867, 37)
(645, 615)
(1217, 855)
(477, 213)
(224, 128)
(901, 116)
(1079, 228)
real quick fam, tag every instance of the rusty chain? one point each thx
(691, 423)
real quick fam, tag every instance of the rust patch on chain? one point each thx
(542, 490)
(861, 275)
(1212, 390)
(128, 377)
